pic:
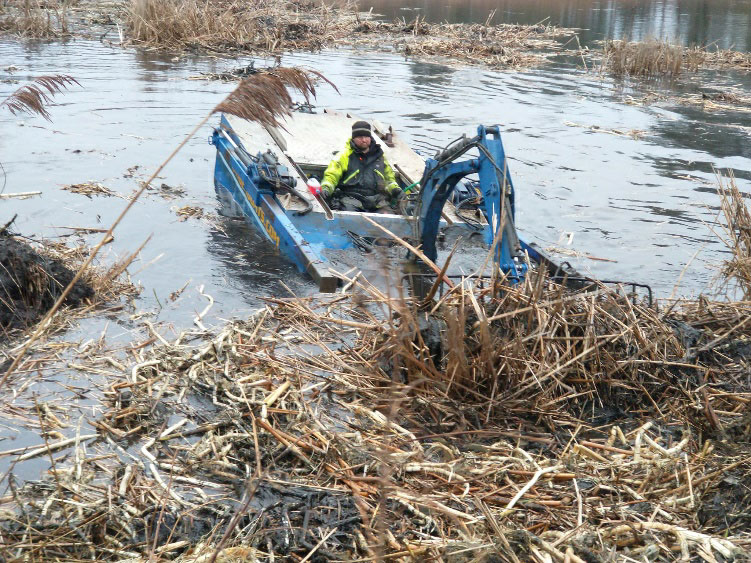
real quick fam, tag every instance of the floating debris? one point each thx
(635, 134)
(729, 100)
(188, 211)
(90, 189)
(20, 195)
(170, 192)
(230, 75)
(502, 45)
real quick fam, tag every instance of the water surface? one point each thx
(620, 207)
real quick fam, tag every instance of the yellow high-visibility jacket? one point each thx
(361, 174)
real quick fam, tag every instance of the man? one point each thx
(360, 178)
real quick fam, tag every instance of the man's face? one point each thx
(361, 142)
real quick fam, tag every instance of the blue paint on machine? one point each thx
(268, 189)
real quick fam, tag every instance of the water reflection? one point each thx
(250, 265)
(726, 23)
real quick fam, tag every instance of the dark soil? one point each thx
(30, 283)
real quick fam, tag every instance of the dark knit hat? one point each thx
(361, 129)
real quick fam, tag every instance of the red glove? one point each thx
(314, 186)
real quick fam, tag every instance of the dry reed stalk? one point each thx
(433, 476)
(264, 103)
(736, 271)
(649, 58)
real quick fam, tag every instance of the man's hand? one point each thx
(398, 195)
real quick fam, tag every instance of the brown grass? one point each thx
(256, 25)
(736, 271)
(650, 58)
(34, 97)
(33, 18)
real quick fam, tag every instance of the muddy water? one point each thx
(642, 205)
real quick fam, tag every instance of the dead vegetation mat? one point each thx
(522, 424)
(263, 26)
(34, 274)
(499, 46)
(31, 282)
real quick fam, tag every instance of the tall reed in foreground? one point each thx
(262, 97)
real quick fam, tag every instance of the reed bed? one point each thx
(265, 26)
(32, 18)
(736, 271)
(650, 58)
(257, 26)
(515, 424)
(653, 58)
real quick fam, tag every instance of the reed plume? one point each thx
(253, 99)
(264, 97)
(34, 97)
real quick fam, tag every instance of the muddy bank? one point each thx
(31, 283)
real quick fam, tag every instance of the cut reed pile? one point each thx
(654, 57)
(266, 26)
(30, 284)
(527, 424)
(502, 45)
(727, 58)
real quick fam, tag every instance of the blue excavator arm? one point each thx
(441, 176)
